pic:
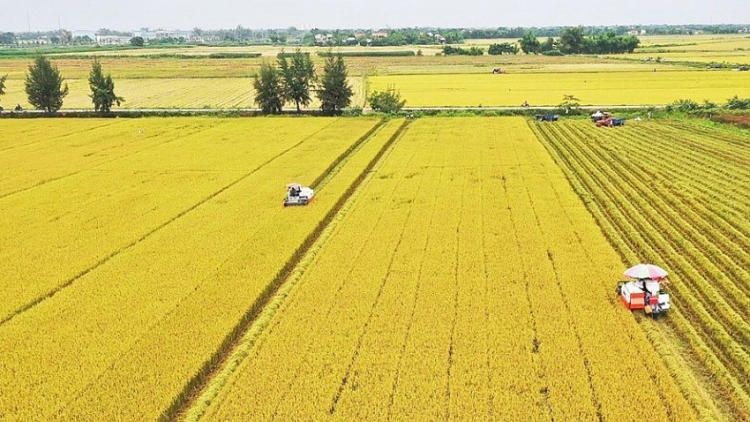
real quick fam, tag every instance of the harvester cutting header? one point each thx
(645, 289)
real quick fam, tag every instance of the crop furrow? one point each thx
(712, 300)
(699, 229)
(581, 174)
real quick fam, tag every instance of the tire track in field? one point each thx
(376, 302)
(410, 324)
(201, 383)
(148, 234)
(596, 401)
(328, 312)
(535, 358)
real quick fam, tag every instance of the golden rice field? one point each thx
(547, 89)
(131, 248)
(697, 48)
(467, 282)
(456, 268)
(676, 192)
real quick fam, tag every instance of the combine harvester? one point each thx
(606, 120)
(645, 290)
(297, 194)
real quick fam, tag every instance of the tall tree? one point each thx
(298, 77)
(335, 93)
(44, 86)
(102, 89)
(529, 43)
(269, 93)
(572, 40)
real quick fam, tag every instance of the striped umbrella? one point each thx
(646, 271)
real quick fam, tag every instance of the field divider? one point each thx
(148, 234)
(192, 403)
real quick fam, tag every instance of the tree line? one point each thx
(293, 79)
(45, 89)
(574, 41)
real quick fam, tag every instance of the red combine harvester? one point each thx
(604, 119)
(645, 291)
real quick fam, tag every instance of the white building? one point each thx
(112, 40)
(160, 34)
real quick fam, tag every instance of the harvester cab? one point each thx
(297, 194)
(646, 290)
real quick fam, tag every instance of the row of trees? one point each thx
(449, 50)
(45, 89)
(493, 50)
(573, 41)
(293, 79)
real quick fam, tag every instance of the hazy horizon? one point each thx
(46, 15)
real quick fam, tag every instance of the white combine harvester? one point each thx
(297, 194)
(645, 290)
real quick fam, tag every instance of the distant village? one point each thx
(322, 37)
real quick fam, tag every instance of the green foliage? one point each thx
(529, 43)
(570, 104)
(572, 40)
(44, 86)
(504, 48)
(335, 93)
(388, 101)
(473, 51)
(102, 89)
(684, 105)
(269, 93)
(298, 77)
(709, 105)
(137, 41)
(353, 111)
(2, 84)
(609, 43)
(736, 103)
(549, 45)
(7, 38)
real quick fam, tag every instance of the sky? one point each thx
(126, 15)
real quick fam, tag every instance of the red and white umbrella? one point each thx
(646, 271)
